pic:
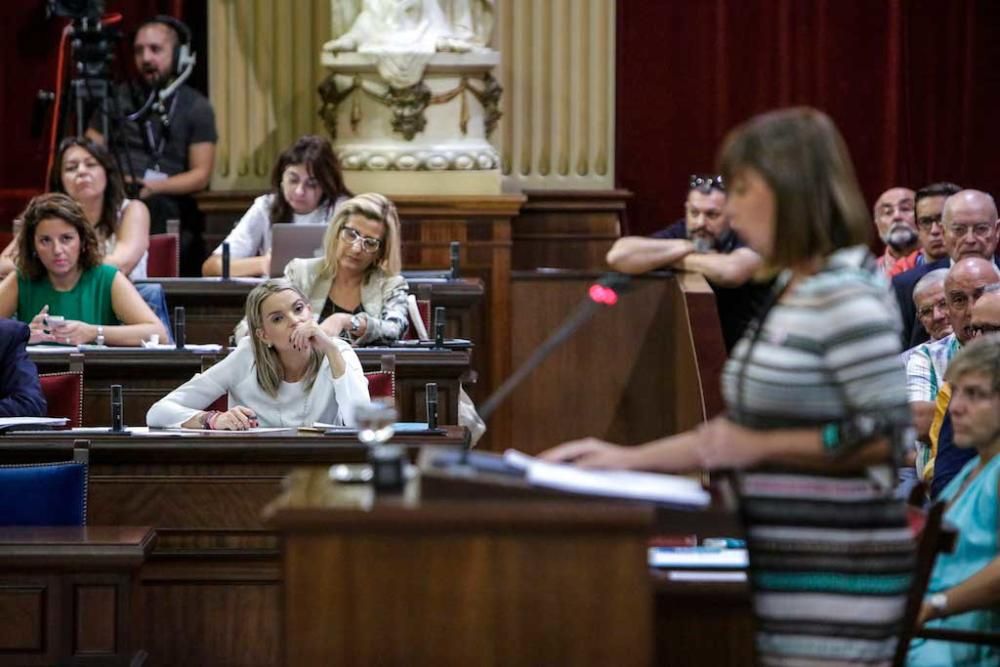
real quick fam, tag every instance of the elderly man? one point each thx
(932, 308)
(969, 221)
(929, 205)
(705, 243)
(897, 227)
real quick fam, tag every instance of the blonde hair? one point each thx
(266, 361)
(373, 206)
(803, 159)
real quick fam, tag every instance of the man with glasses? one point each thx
(929, 206)
(927, 365)
(897, 227)
(705, 243)
(932, 308)
(969, 226)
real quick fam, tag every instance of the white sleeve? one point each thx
(350, 388)
(249, 236)
(200, 391)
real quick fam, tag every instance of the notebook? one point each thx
(291, 241)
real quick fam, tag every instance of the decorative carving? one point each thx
(368, 159)
(408, 106)
(331, 97)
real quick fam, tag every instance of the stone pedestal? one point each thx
(436, 130)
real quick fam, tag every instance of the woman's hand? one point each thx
(336, 323)
(39, 328)
(724, 444)
(238, 418)
(74, 332)
(311, 335)
(591, 453)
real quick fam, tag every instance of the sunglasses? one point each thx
(706, 183)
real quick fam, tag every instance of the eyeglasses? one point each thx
(927, 223)
(350, 236)
(978, 229)
(706, 183)
(928, 311)
(984, 329)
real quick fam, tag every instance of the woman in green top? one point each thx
(59, 272)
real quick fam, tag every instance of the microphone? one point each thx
(225, 260)
(117, 419)
(431, 390)
(453, 249)
(179, 327)
(439, 326)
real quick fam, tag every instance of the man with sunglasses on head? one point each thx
(928, 208)
(702, 242)
(970, 229)
(897, 227)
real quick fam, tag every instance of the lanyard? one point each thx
(156, 148)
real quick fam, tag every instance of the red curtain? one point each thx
(910, 83)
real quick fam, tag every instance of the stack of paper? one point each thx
(670, 489)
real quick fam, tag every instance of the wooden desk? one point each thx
(422, 582)
(212, 586)
(70, 595)
(213, 307)
(147, 376)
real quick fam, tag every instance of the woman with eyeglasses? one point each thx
(306, 185)
(356, 285)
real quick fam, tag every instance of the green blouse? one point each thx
(89, 301)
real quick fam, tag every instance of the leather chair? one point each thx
(45, 494)
(64, 395)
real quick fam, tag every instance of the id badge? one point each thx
(153, 175)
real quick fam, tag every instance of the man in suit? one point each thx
(969, 221)
(20, 390)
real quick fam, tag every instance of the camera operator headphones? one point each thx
(183, 55)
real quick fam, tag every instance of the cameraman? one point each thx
(170, 152)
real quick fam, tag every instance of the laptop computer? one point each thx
(289, 241)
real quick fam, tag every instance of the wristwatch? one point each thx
(939, 603)
(100, 334)
(355, 325)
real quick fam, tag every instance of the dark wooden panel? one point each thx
(23, 610)
(567, 229)
(96, 616)
(628, 375)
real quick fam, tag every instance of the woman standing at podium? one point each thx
(816, 405)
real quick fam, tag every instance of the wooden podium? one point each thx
(422, 582)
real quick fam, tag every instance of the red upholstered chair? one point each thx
(64, 395)
(424, 308)
(382, 385)
(164, 253)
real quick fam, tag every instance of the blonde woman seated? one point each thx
(287, 372)
(59, 273)
(356, 287)
(86, 172)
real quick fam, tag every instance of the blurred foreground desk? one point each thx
(70, 595)
(212, 586)
(147, 376)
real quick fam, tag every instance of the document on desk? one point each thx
(670, 489)
(260, 430)
(51, 349)
(698, 557)
(28, 423)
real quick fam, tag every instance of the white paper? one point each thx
(32, 421)
(612, 483)
(697, 557)
(260, 430)
(415, 319)
(693, 575)
(51, 349)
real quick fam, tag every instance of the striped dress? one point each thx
(830, 554)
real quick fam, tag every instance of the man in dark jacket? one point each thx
(20, 390)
